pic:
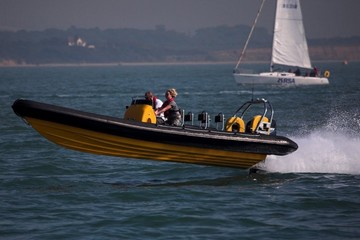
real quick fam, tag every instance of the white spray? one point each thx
(334, 148)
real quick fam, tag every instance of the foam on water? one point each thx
(319, 152)
(332, 148)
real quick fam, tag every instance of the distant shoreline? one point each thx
(114, 64)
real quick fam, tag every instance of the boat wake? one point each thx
(319, 152)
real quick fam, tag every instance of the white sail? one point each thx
(289, 44)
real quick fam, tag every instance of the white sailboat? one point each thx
(289, 49)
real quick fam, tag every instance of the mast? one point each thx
(250, 34)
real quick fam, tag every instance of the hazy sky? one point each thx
(322, 18)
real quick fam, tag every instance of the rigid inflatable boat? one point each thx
(231, 143)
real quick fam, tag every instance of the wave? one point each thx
(319, 152)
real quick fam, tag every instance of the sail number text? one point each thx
(286, 80)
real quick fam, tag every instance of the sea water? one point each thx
(48, 192)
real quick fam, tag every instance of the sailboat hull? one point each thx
(279, 79)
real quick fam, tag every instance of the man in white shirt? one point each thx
(156, 103)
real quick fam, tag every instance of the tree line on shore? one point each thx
(79, 45)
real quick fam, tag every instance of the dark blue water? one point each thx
(47, 192)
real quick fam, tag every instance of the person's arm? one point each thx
(161, 110)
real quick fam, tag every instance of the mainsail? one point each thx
(289, 44)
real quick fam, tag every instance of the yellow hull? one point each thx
(105, 144)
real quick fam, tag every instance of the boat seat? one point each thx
(189, 117)
(219, 120)
(235, 124)
(203, 119)
(252, 125)
(140, 113)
